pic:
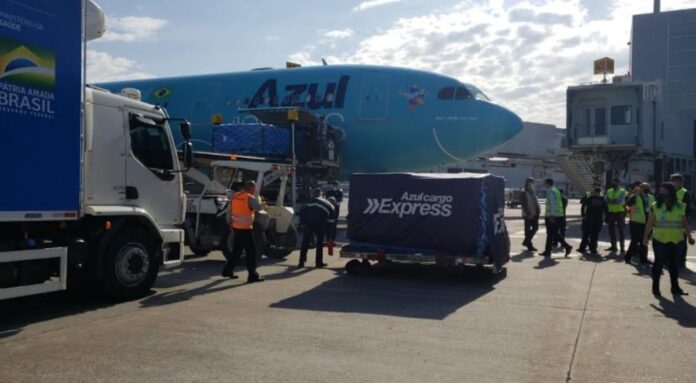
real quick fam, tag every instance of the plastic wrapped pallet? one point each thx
(252, 139)
(445, 214)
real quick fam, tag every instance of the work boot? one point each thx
(568, 249)
(656, 289)
(253, 278)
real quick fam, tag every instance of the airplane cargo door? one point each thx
(374, 93)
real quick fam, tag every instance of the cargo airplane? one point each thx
(394, 119)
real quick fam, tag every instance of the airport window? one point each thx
(150, 145)
(446, 93)
(621, 115)
(600, 121)
(462, 94)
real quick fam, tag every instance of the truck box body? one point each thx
(40, 103)
(436, 214)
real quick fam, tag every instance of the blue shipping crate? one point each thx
(252, 139)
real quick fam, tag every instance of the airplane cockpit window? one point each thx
(462, 94)
(446, 93)
(477, 93)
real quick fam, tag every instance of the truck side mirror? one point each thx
(185, 128)
(187, 154)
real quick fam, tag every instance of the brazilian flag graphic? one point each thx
(27, 65)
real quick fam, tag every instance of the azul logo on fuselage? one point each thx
(307, 95)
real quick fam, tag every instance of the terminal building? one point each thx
(640, 126)
(529, 154)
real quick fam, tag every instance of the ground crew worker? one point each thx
(684, 197)
(337, 194)
(668, 218)
(563, 222)
(616, 217)
(315, 217)
(554, 211)
(242, 211)
(640, 202)
(530, 213)
(331, 225)
(584, 232)
(594, 209)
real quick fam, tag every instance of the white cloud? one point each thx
(339, 34)
(132, 28)
(372, 4)
(102, 67)
(524, 55)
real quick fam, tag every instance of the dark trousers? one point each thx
(331, 230)
(531, 226)
(553, 233)
(616, 221)
(244, 241)
(636, 246)
(331, 227)
(590, 234)
(682, 253)
(666, 254)
(309, 232)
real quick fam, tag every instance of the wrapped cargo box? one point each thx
(428, 218)
(259, 140)
(252, 139)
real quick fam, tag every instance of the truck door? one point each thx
(150, 182)
(374, 96)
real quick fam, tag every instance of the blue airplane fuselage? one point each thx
(394, 119)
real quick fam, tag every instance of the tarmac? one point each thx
(576, 319)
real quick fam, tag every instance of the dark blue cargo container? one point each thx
(444, 218)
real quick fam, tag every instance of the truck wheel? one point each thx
(277, 250)
(131, 265)
(354, 267)
(199, 251)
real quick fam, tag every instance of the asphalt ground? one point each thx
(577, 319)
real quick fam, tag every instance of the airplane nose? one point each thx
(479, 127)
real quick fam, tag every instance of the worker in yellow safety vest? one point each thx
(616, 217)
(553, 218)
(684, 197)
(640, 202)
(242, 211)
(668, 219)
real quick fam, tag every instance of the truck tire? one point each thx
(354, 267)
(131, 265)
(199, 252)
(277, 250)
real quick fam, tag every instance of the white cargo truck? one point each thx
(92, 184)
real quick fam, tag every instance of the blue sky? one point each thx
(523, 53)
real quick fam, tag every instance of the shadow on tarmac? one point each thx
(208, 269)
(20, 312)
(412, 291)
(680, 310)
(15, 314)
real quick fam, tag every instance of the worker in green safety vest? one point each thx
(640, 202)
(684, 197)
(553, 218)
(668, 219)
(616, 217)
